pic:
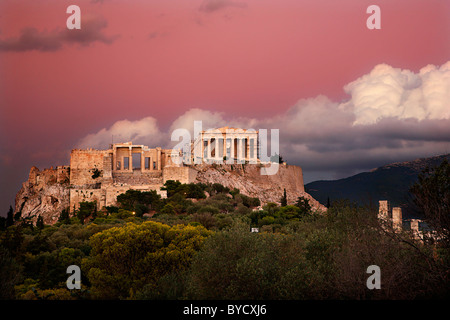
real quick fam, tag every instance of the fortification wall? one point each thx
(138, 178)
(78, 195)
(111, 192)
(82, 166)
(182, 174)
(63, 174)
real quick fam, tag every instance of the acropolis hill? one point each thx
(101, 175)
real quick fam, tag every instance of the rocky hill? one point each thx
(248, 179)
(47, 192)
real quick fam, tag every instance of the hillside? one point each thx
(390, 182)
(267, 188)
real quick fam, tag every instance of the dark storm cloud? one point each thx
(92, 30)
(32, 39)
(209, 6)
(387, 133)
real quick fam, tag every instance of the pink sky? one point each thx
(160, 58)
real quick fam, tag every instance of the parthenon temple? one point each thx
(230, 144)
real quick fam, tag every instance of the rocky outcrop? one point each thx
(248, 179)
(45, 193)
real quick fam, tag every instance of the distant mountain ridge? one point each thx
(390, 182)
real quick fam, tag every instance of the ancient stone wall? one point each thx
(78, 195)
(138, 178)
(63, 174)
(182, 174)
(82, 166)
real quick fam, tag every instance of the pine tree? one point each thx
(304, 205)
(40, 223)
(64, 217)
(284, 199)
(10, 217)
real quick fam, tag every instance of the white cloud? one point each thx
(143, 131)
(210, 119)
(392, 92)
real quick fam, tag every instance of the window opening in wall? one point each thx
(245, 148)
(136, 161)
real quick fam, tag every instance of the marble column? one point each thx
(208, 153)
(397, 218)
(159, 159)
(130, 159)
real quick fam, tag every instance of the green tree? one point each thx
(64, 216)
(40, 222)
(195, 191)
(234, 192)
(171, 187)
(122, 214)
(304, 205)
(258, 266)
(125, 259)
(86, 209)
(18, 215)
(139, 201)
(9, 274)
(10, 217)
(284, 199)
(219, 188)
(111, 209)
(168, 209)
(2, 223)
(432, 196)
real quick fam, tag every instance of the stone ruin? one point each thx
(393, 217)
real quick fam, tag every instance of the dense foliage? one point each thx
(432, 196)
(197, 244)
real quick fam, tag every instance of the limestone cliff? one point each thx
(45, 193)
(248, 179)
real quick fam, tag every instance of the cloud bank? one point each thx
(402, 94)
(391, 115)
(143, 131)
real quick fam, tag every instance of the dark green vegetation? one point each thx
(197, 244)
(431, 195)
(390, 182)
